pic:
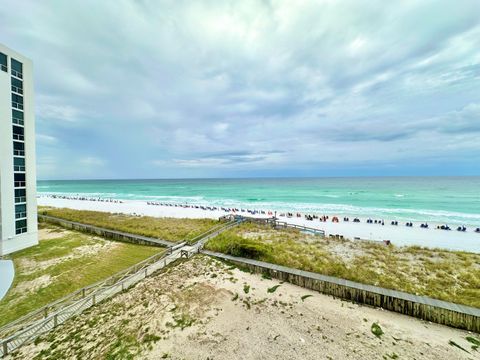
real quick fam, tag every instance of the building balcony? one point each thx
(20, 200)
(17, 74)
(17, 90)
(21, 215)
(16, 105)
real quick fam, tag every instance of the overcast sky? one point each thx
(173, 89)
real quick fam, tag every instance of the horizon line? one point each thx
(269, 177)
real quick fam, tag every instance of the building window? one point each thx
(20, 226)
(18, 133)
(17, 68)
(18, 164)
(20, 211)
(18, 148)
(19, 180)
(17, 85)
(20, 196)
(3, 62)
(17, 117)
(17, 101)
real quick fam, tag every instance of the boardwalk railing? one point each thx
(437, 311)
(38, 322)
(275, 223)
(48, 317)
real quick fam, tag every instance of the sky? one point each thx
(188, 89)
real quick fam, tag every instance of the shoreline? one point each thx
(400, 235)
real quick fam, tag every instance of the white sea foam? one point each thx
(401, 214)
(399, 235)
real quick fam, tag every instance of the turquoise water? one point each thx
(442, 199)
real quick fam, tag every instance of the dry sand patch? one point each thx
(202, 308)
(33, 285)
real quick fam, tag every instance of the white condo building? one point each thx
(18, 204)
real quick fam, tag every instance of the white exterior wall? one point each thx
(9, 241)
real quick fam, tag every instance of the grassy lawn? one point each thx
(447, 275)
(162, 228)
(63, 262)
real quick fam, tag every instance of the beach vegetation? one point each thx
(273, 289)
(181, 321)
(376, 330)
(170, 229)
(474, 341)
(452, 276)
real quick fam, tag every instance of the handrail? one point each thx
(35, 328)
(45, 309)
(31, 325)
(274, 222)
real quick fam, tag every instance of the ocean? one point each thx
(452, 200)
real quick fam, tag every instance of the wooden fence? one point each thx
(422, 307)
(106, 233)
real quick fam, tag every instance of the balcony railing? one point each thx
(18, 121)
(20, 168)
(19, 137)
(19, 184)
(4, 67)
(21, 231)
(17, 74)
(16, 105)
(18, 152)
(20, 199)
(17, 90)
(21, 215)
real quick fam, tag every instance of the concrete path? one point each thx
(7, 272)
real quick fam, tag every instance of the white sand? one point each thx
(253, 324)
(399, 235)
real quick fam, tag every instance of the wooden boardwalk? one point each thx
(45, 319)
(277, 224)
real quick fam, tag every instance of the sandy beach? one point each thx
(400, 235)
(202, 309)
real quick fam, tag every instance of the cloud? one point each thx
(91, 161)
(46, 139)
(253, 87)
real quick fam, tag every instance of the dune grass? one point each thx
(64, 261)
(446, 275)
(170, 229)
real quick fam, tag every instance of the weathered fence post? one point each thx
(5, 348)
(93, 299)
(83, 293)
(45, 312)
(55, 320)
